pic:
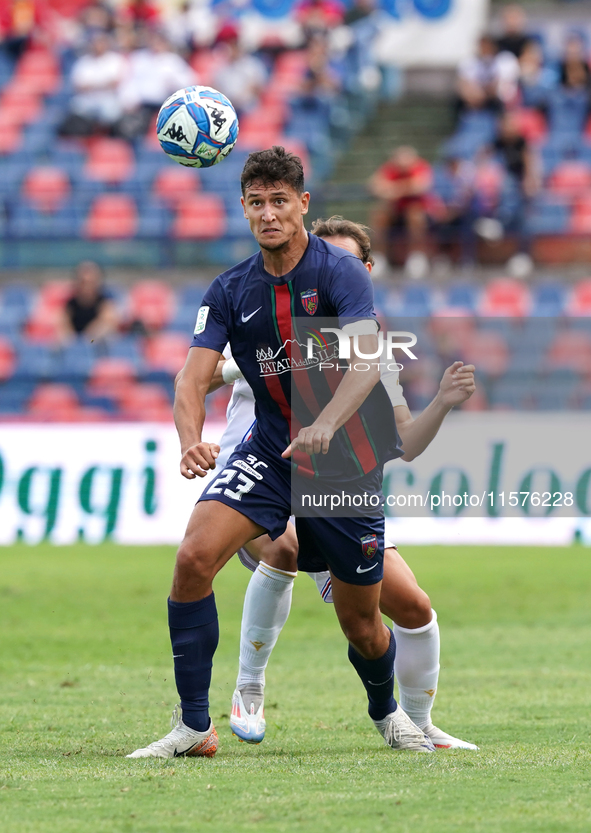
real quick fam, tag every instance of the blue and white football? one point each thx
(197, 126)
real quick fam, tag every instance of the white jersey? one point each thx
(241, 418)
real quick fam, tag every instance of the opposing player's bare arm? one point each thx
(192, 386)
(355, 387)
(456, 386)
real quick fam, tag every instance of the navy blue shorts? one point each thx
(353, 547)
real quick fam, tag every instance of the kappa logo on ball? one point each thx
(310, 300)
(369, 546)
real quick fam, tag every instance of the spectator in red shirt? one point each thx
(403, 186)
(140, 14)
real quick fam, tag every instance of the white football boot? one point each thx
(441, 740)
(181, 741)
(247, 720)
(399, 732)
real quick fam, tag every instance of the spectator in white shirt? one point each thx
(242, 76)
(96, 77)
(153, 74)
(488, 81)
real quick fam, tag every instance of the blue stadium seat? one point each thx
(14, 395)
(549, 299)
(547, 217)
(125, 347)
(73, 363)
(416, 301)
(26, 221)
(462, 295)
(154, 219)
(34, 361)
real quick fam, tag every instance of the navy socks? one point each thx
(377, 675)
(194, 634)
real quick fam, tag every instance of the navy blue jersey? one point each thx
(269, 322)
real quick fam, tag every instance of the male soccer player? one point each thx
(320, 433)
(268, 596)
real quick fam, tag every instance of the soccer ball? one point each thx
(197, 127)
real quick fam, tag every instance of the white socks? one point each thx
(416, 668)
(266, 608)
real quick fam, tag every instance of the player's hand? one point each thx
(313, 440)
(457, 384)
(199, 459)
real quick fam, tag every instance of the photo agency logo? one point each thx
(383, 357)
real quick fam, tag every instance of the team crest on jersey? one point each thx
(369, 546)
(310, 300)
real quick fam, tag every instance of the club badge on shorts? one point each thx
(310, 300)
(369, 546)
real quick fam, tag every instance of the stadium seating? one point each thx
(199, 217)
(152, 303)
(505, 297)
(109, 161)
(111, 216)
(579, 303)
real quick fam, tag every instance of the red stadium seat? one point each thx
(46, 187)
(166, 351)
(7, 359)
(571, 179)
(531, 124)
(146, 403)
(111, 216)
(580, 301)
(111, 377)
(272, 115)
(505, 297)
(151, 139)
(200, 217)
(257, 136)
(41, 68)
(49, 398)
(153, 303)
(109, 160)
(43, 324)
(488, 351)
(21, 109)
(570, 350)
(10, 135)
(54, 294)
(172, 185)
(580, 219)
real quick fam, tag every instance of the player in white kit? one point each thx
(274, 563)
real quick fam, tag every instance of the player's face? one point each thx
(274, 213)
(349, 244)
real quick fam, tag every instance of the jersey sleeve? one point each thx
(351, 291)
(211, 327)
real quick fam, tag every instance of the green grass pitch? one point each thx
(86, 676)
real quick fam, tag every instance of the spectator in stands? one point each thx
(403, 186)
(456, 206)
(153, 74)
(241, 76)
(574, 67)
(514, 37)
(194, 26)
(319, 16)
(535, 79)
(90, 310)
(519, 161)
(359, 11)
(141, 14)
(18, 19)
(488, 81)
(94, 19)
(521, 184)
(96, 77)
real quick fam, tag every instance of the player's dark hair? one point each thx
(337, 226)
(271, 166)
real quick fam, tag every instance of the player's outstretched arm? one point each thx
(456, 386)
(192, 385)
(355, 387)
